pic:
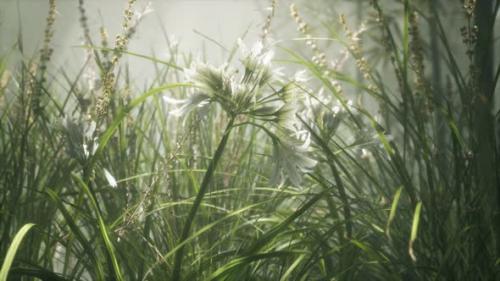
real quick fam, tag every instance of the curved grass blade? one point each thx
(203, 230)
(39, 273)
(292, 267)
(78, 234)
(11, 252)
(414, 230)
(233, 265)
(392, 214)
(150, 58)
(199, 197)
(106, 136)
(103, 229)
(268, 236)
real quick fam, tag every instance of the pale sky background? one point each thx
(222, 20)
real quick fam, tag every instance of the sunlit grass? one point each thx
(362, 165)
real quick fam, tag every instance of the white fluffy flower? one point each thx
(366, 154)
(290, 155)
(291, 162)
(90, 147)
(301, 76)
(140, 14)
(109, 177)
(258, 54)
(184, 106)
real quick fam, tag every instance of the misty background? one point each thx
(185, 23)
(205, 29)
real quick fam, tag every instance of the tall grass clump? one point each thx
(419, 165)
(363, 149)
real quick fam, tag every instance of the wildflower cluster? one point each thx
(49, 33)
(46, 54)
(470, 30)
(470, 35)
(131, 19)
(290, 156)
(319, 56)
(352, 47)
(416, 46)
(269, 18)
(381, 21)
(238, 91)
(418, 67)
(355, 48)
(84, 22)
(128, 29)
(252, 90)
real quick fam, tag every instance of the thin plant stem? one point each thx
(199, 197)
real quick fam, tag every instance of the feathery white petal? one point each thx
(109, 177)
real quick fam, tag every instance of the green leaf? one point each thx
(38, 272)
(72, 224)
(273, 232)
(371, 252)
(414, 230)
(394, 207)
(11, 253)
(383, 139)
(235, 264)
(103, 230)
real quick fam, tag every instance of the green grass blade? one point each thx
(11, 252)
(207, 179)
(150, 58)
(235, 264)
(292, 267)
(268, 236)
(414, 230)
(78, 234)
(103, 230)
(392, 214)
(39, 273)
(204, 229)
(106, 136)
(370, 251)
